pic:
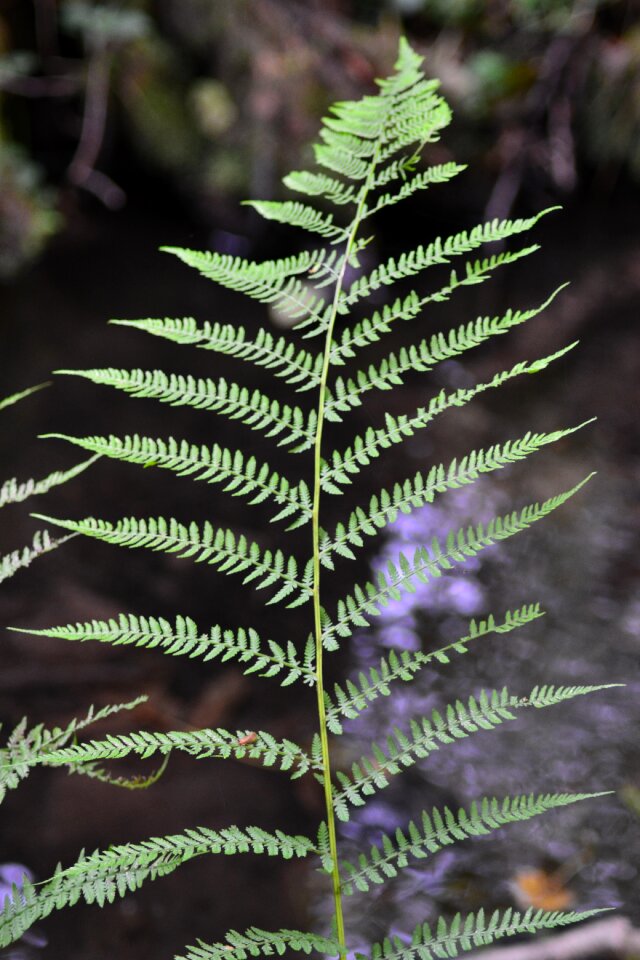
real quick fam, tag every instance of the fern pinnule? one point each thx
(255, 942)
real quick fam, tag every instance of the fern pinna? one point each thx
(368, 158)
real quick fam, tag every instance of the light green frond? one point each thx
(141, 781)
(321, 185)
(182, 638)
(202, 744)
(440, 173)
(428, 563)
(458, 720)
(439, 829)
(241, 476)
(364, 449)
(27, 748)
(384, 508)
(17, 560)
(468, 933)
(439, 251)
(295, 366)
(14, 492)
(356, 696)
(370, 330)
(252, 407)
(422, 357)
(299, 215)
(16, 397)
(204, 544)
(259, 943)
(103, 876)
(273, 281)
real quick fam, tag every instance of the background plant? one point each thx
(374, 146)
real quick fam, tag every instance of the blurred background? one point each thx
(128, 125)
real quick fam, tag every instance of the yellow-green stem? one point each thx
(317, 460)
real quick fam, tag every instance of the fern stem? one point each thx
(317, 608)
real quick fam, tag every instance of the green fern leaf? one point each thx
(203, 544)
(183, 639)
(255, 942)
(241, 476)
(17, 560)
(422, 358)
(16, 397)
(442, 828)
(384, 508)
(26, 747)
(366, 448)
(295, 366)
(14, 492)
(299, 215)
(439, 252)
(252, 407)
(219, 743)
(468, 933)
(428, 563)
(459, 720)
(368, 331)
(356, 696)
(105, 875)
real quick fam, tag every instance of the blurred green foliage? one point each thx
(218, 96)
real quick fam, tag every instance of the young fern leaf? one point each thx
(27, 748)
(184, 639)
(252, 407)
(442, 828)
(295, 366)
(260, 943)
(429, 563)
(356, 696)
(384, 508)
(105, 875)
(203, 744)
(239, 475)
(202, 544)
(16, 397)
(468, 933)
(459, 720)
(396, 429)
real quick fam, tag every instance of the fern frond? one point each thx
(422, 357)
(467, 933)
(459, 720)
(370, 330)
(252, 407)
(384, 508)
(16, 397)
(441, 828)
(356, 696)
(299, 215)
(320, 185)
(182, 638)
(441, 173)
(203, 544)
(29, 747)
(296, 366)
(105, 875)
(429, 563)
(241, 476)
(202, 744)
(438, 252)
(366, 448)
(14, 492)
(255, 942)
(42, 543)
(273, 281)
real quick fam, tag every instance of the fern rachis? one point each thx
(368, 155)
